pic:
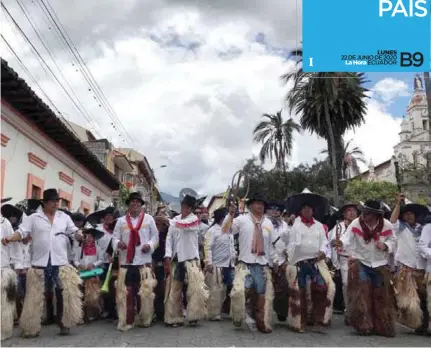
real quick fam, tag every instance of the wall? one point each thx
(30, 158)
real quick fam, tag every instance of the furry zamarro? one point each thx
(372, 310)
(8, 295)
(322, 299)
(72, 311)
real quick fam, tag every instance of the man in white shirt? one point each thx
(339, 256)
(307, 253)
(136, 236)
(274, 210)
(181, 259)
(219, 264)
(425, 251)
(368, 240)
(202, 214)
(49, 230)
(253, 292)
(409, 282)
(8, 282)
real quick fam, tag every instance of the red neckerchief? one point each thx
(134, 239)
(107, 229)
(374, 234)
(89, 249)
(307, 221)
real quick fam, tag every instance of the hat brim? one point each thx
(97, 234)
(418, 210)
(9, 210)
(320, 204)
(253, 200)
(364, 209)
(94, 218)
(127, 201)
(279, 207)
(347, 206)
(7, 199)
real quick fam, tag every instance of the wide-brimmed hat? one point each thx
(9, 210)
(418, 210)
(257, 197)
(320, 204)
(135, 195)
(189, 201)
(50, 195)
(78, 216)
(4, 200)
(29, 206)
(89, 229)
(220, 214)
(94, 218)
(346, 206)
(275, 205)
(372, 206)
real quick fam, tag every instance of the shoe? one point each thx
(251, 323)
(216, 318)
(64, 331)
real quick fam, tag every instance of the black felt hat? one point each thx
(9, 210)
(4, 200)
(256, 198)
(320, 204)
(275, 205)
(89, 229)
(135, 195)
(372, 206)
(78, 217)
(418, 210)
(50, 195)
(189, 201)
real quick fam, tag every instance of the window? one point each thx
(64, 203)
(36, 192)
(424, 124)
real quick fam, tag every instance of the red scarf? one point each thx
(89, 249)
(371, 234)
(134, 239)
(107, 229)
(307, 221)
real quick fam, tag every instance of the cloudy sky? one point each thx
(188, 80)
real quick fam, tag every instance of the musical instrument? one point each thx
(95, 272)
(105, 287)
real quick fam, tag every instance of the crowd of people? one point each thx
(296, 260)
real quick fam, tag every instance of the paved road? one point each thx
(220, 334)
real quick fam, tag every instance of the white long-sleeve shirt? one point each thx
(182, 238)
(8, 253)
(82, 260)
(280, 243)
(103, 242)
(148, 234)
(306, 241)
(407, 251)
(23, 255)
(244, 226)
(48, 240)
(219, 247)
(424, 246)
(367, 253)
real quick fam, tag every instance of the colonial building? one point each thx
(410, 153)
(39, 151)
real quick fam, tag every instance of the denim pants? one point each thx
(52, 277)
(370, 274)
(307, 269)
(256, 279)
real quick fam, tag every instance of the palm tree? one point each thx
(276, 137)
(329, 104)
(351, 158)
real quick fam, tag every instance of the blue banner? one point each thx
(366, 35)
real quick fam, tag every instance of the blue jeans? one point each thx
(52, 277)
(22, 278)
(371, 275)
(256, 278)
(307, 269)
(228, 274)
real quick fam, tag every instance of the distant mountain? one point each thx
(169, 198)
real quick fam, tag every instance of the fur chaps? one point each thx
(146, 296)
(428, 288)
(330, 290)
(408, 301)
(92, 297)
(197, 292)
(173, 299)
(217, 292)
(32, 311)
(121, 299)
(72, 296)
(294, 312)
(8, 296)
(237, 295)
(269, 299)
(372, 310)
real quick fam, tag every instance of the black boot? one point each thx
(60, 308)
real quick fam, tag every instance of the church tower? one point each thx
(417, 112)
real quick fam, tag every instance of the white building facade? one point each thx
(39, 152)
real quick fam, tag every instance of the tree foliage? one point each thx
(358, 190)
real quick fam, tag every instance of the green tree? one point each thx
(276, 137)
(124, 193)
(358, 190)
(329, 105)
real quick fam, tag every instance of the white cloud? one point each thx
(389, 89)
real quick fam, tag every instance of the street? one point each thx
(212, 334)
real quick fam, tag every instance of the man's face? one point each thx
(161, 227)
(370, 217)
(307, 212)
(79, 224)
(185, 210)
(409, 217)
(350, 214)
(275, 213)
(109, 218)
(13, 220)
(52, 206)
(134, 206)
(257, 207)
